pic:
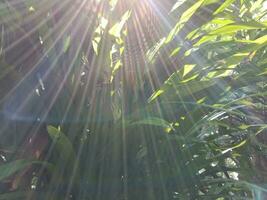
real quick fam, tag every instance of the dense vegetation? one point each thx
(118, 99)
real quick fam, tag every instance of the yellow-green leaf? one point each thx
(184, 18)
(117, 28)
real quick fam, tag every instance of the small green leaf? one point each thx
(117, 28)
(155, 95)
(66, 46)
(188, 69)
(95, 46)
(223, 6)
(153, 121)
(244, 126)
(177, 5)
(113, 4)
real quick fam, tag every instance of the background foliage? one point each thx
(94, 108)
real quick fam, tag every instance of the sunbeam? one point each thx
(132, 99)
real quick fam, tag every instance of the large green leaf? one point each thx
(231, 28)
(62, 144)
(10, 168)
(184, 18)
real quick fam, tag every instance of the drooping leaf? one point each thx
(223, 6)
(231, 28)
(177, 4)
(153, 121)
(62, 144)
(184, 18)
(116, 30)
(10, 168)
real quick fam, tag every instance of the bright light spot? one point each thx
(31, 9)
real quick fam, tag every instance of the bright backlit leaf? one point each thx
(116, 30)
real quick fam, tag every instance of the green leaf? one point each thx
(155, 95)
(66, 46)
(14, 195)
(115, 69)
(117, 28)
(223, 6)
(231, 28)
(95, 46)
(187, 69)
(181, 90)
(113, 3)
(153, 121)
(177, 5)
(62, 144)
(184, 18)
(8, 169)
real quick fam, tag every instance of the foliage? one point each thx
(126, 134)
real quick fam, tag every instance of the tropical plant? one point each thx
(179, 115)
